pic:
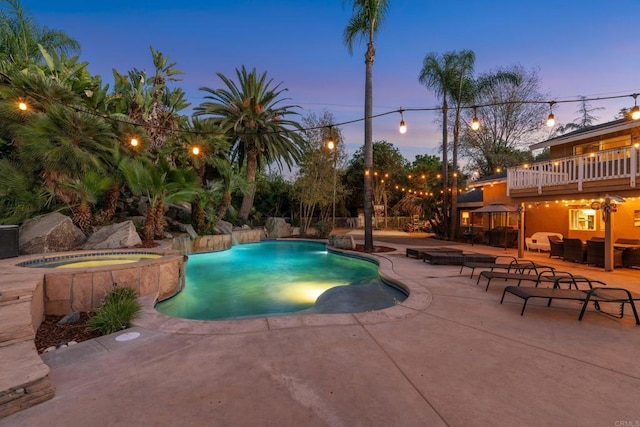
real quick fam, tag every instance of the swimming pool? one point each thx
(278, 277)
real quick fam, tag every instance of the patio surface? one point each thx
(449, 355)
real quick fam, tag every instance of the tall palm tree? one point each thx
(20, 36)
(249, 111)
(461, 94)
(367, 17)
(439, 74)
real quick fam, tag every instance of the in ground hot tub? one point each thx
(78, 281)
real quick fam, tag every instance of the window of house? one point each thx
(465, 218)
(605, 144)
(582, 219)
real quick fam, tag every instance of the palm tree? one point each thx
(159, 184)
(461, 93)
(249, 112)
(367, 17)
(439, 74)
(20, 36)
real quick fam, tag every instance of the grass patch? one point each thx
(119, 308)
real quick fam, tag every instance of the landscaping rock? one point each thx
(342, 242)
(277, 227)
(70, 318)
(120, 235)
(53, 232)
(224, 227)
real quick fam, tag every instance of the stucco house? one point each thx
(589, 187)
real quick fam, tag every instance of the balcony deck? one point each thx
(604, 171)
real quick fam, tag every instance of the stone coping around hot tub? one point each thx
(417, 301)
(25, 261)
(83, 288)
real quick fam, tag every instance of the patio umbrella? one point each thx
(499, 208)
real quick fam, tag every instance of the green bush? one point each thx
(323, 229)
(120, 306)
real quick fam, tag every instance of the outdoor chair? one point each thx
(631, 257)
(556, 246)
(574, 250)
(597, 295)
(595, 254)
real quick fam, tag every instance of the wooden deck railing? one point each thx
(610, 164)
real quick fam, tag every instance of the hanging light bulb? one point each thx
(475, 123)
(331, 144)
(403, 126)
(635, 111)
(551, 120)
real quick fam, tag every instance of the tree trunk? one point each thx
(197, 216)
(158, 220)
(368, 148)
(454, 186)
(149, 225)
(445, 166)
(247, 200)
(112, 204)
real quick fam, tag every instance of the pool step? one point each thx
(25, 377)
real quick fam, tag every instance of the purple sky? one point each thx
(590, 48)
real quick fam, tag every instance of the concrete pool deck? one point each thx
(450, 355)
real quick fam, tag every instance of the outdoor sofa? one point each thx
(539, 241)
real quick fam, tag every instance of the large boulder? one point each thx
(120, 235)
(53, 232)
(277, 227)
(224, 227)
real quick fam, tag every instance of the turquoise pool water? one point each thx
(275, 277)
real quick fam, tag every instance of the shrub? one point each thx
(120, 306)
(323, 229)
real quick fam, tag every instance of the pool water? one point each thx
(268, 278)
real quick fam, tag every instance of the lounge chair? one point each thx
(455, 258)
(597, 295)
(417, 252)
(512, 266)
(548, 275)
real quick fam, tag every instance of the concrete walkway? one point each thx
(449, 355)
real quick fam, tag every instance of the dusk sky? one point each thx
(587, 47)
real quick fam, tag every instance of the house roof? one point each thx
(490, 179)
(588, 132)
(472, 196)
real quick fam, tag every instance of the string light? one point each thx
(134, 142)
(331, 144)
(635, 114)
(475, 123)
(403, 126)
(195, 150)
(22, 106)
(551, 120)
(635, 111)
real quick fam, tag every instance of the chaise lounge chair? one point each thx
(597, 295)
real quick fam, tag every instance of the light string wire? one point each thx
(108, 116)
